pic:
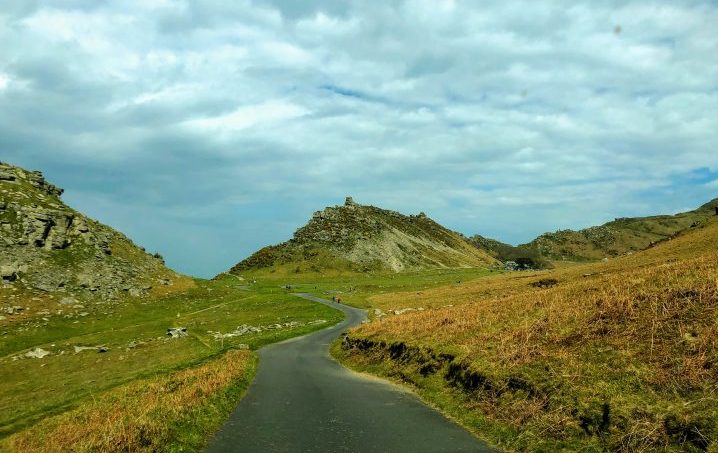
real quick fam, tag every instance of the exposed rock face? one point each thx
(358, 237)
(47, 246)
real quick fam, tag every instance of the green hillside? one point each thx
(619, 237)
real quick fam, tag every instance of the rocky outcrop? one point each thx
(359, 238)
(47, 246)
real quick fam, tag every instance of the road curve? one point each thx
(303, 401)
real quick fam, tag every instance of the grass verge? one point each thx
(170, 413)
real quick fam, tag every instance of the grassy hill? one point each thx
(619, 355)
(366, 238)
(618, 237)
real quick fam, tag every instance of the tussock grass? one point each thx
(619, 356)
(172, 412)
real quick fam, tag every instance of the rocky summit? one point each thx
(354, 237)
(48, 247)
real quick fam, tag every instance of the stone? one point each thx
(79, 349)
(5, 175)
(37, 353)
(68, 301)
(177, 332)
(8, 273)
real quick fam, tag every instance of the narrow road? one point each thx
(303, 401)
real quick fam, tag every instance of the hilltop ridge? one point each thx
(618, 237)
(355, 237)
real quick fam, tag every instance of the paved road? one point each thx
(303, 401)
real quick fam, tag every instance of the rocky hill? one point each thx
(619, 237)
(354, 237)
(47, 247)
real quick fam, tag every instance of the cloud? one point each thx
(224, 125)
(4, 81)
(265, 114)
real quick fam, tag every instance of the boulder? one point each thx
(8, 273)
(5, 175)
(177, 332)
(37, 353)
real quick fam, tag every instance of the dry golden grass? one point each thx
(638, 334)
(178, 284)
(143, 415)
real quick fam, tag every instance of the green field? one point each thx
(135, 335)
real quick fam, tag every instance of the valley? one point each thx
(574, 341)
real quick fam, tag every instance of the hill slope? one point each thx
(618, 237)
(608, 356)
(361, 238)
(47, 247)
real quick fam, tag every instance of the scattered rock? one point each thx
(68, 301)
(79, 349)
(134, 344)
(401, 311)
(545, 283)
(37, 353)
(245, 329)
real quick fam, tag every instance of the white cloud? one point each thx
(264, 114)
(473, 112)
(4, 81)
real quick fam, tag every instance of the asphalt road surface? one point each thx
(303, 401)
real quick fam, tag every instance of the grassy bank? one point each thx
(133, 333)
(168, 412)
(614, 356)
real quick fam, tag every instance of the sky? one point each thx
(205, 130)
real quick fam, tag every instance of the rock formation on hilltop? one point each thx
(47, 246)
(355, 237)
